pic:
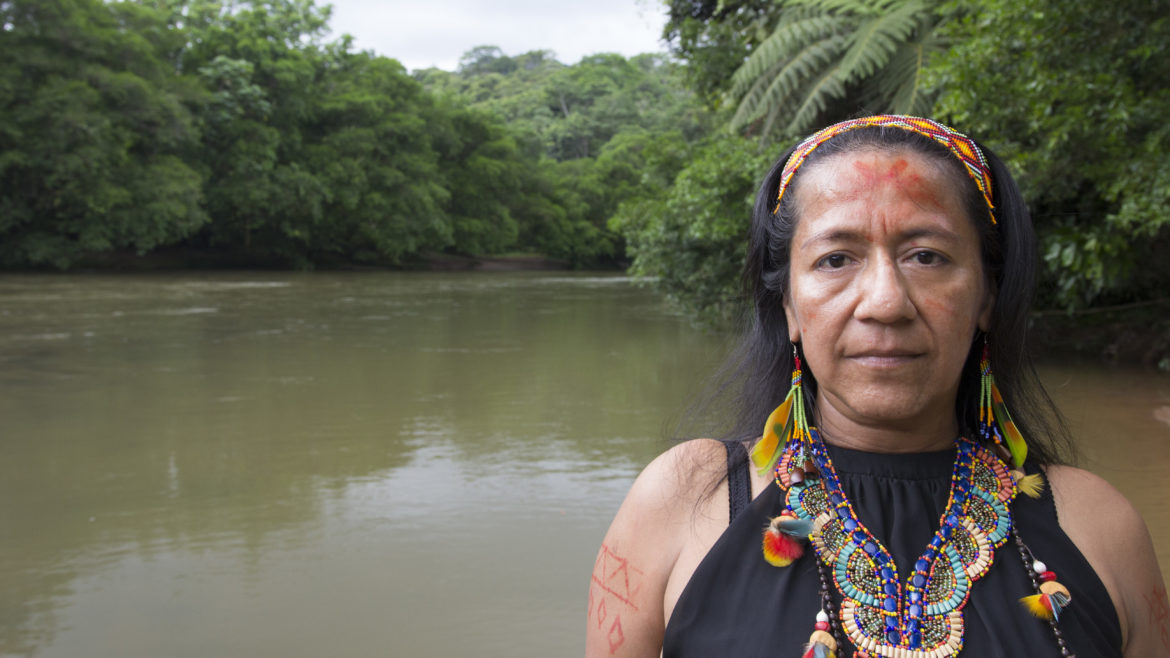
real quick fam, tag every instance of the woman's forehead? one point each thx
(878, 176)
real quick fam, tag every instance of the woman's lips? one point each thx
(892, 359)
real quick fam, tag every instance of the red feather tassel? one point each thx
(781, 550)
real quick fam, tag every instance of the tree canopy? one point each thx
(242, 128)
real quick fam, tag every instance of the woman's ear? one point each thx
(988, 306)
(793, 324)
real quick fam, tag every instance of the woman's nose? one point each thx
(884, 293)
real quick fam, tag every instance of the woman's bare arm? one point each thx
(653, 527)
(1112, 536)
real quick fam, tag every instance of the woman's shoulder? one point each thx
(675, 484)
(1088, 504)
(669, 508)
(1110, 533)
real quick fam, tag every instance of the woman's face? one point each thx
(886, 287)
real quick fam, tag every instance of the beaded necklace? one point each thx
(920, 617)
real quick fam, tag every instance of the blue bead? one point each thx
(915, 610)
(837, 498)
(952, 521)
(919, 580)
(843, 513)
(890, 605)
(915, 597)
(870, 548)
(881, 559)
(887, 573)
(921, 565)
(912, 625)
(936, 543)
(850, 525)
(915, 639)
(893, 636)
(890, 589)
(859, 537)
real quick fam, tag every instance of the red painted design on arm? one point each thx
(617, 585)
(1159, 613)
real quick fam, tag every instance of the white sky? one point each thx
(437, 32)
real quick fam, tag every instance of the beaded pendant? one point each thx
(883, 614)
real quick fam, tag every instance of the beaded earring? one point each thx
(787, 426)
(996, 426)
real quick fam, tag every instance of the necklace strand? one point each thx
(1029, 560)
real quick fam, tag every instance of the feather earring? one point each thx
(785, 423)
(996, 425)
(782, 450)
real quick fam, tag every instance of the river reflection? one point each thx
(360, 464)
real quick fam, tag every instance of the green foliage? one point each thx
(371, 151)
(1074, 96)
(588, 125)
(714, 37)
(826, 59)
(688, 233)
(94, 133)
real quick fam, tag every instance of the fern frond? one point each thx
(899, 88)
(857, 7)
(828, 87)
(781, 94)
(788, 37)
(876, 39)
(822, 51)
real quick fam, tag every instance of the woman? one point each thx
(892, 509)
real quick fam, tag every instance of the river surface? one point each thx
(363, 464)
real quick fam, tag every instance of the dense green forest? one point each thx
(241, 130)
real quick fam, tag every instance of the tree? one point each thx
(95, 133)
(587, 126)
(827, 59)
(1074, 96)
(370, 145)
(690, 240)
(714, 37)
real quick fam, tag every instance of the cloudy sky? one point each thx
(437, 32)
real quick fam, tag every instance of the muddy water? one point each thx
(362, 464)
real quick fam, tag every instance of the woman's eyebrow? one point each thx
(835, 235)
(853, 235)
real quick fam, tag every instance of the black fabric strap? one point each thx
(739, 479)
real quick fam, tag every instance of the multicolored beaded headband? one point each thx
(957, 143)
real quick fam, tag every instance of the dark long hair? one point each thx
(755, 378)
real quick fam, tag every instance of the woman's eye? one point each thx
(834, 261)
(927, 258)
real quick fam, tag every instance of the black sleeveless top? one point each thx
(736, 604)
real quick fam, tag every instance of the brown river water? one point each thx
(364, 464)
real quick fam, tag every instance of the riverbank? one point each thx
(1129, 333)
(179, 259)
